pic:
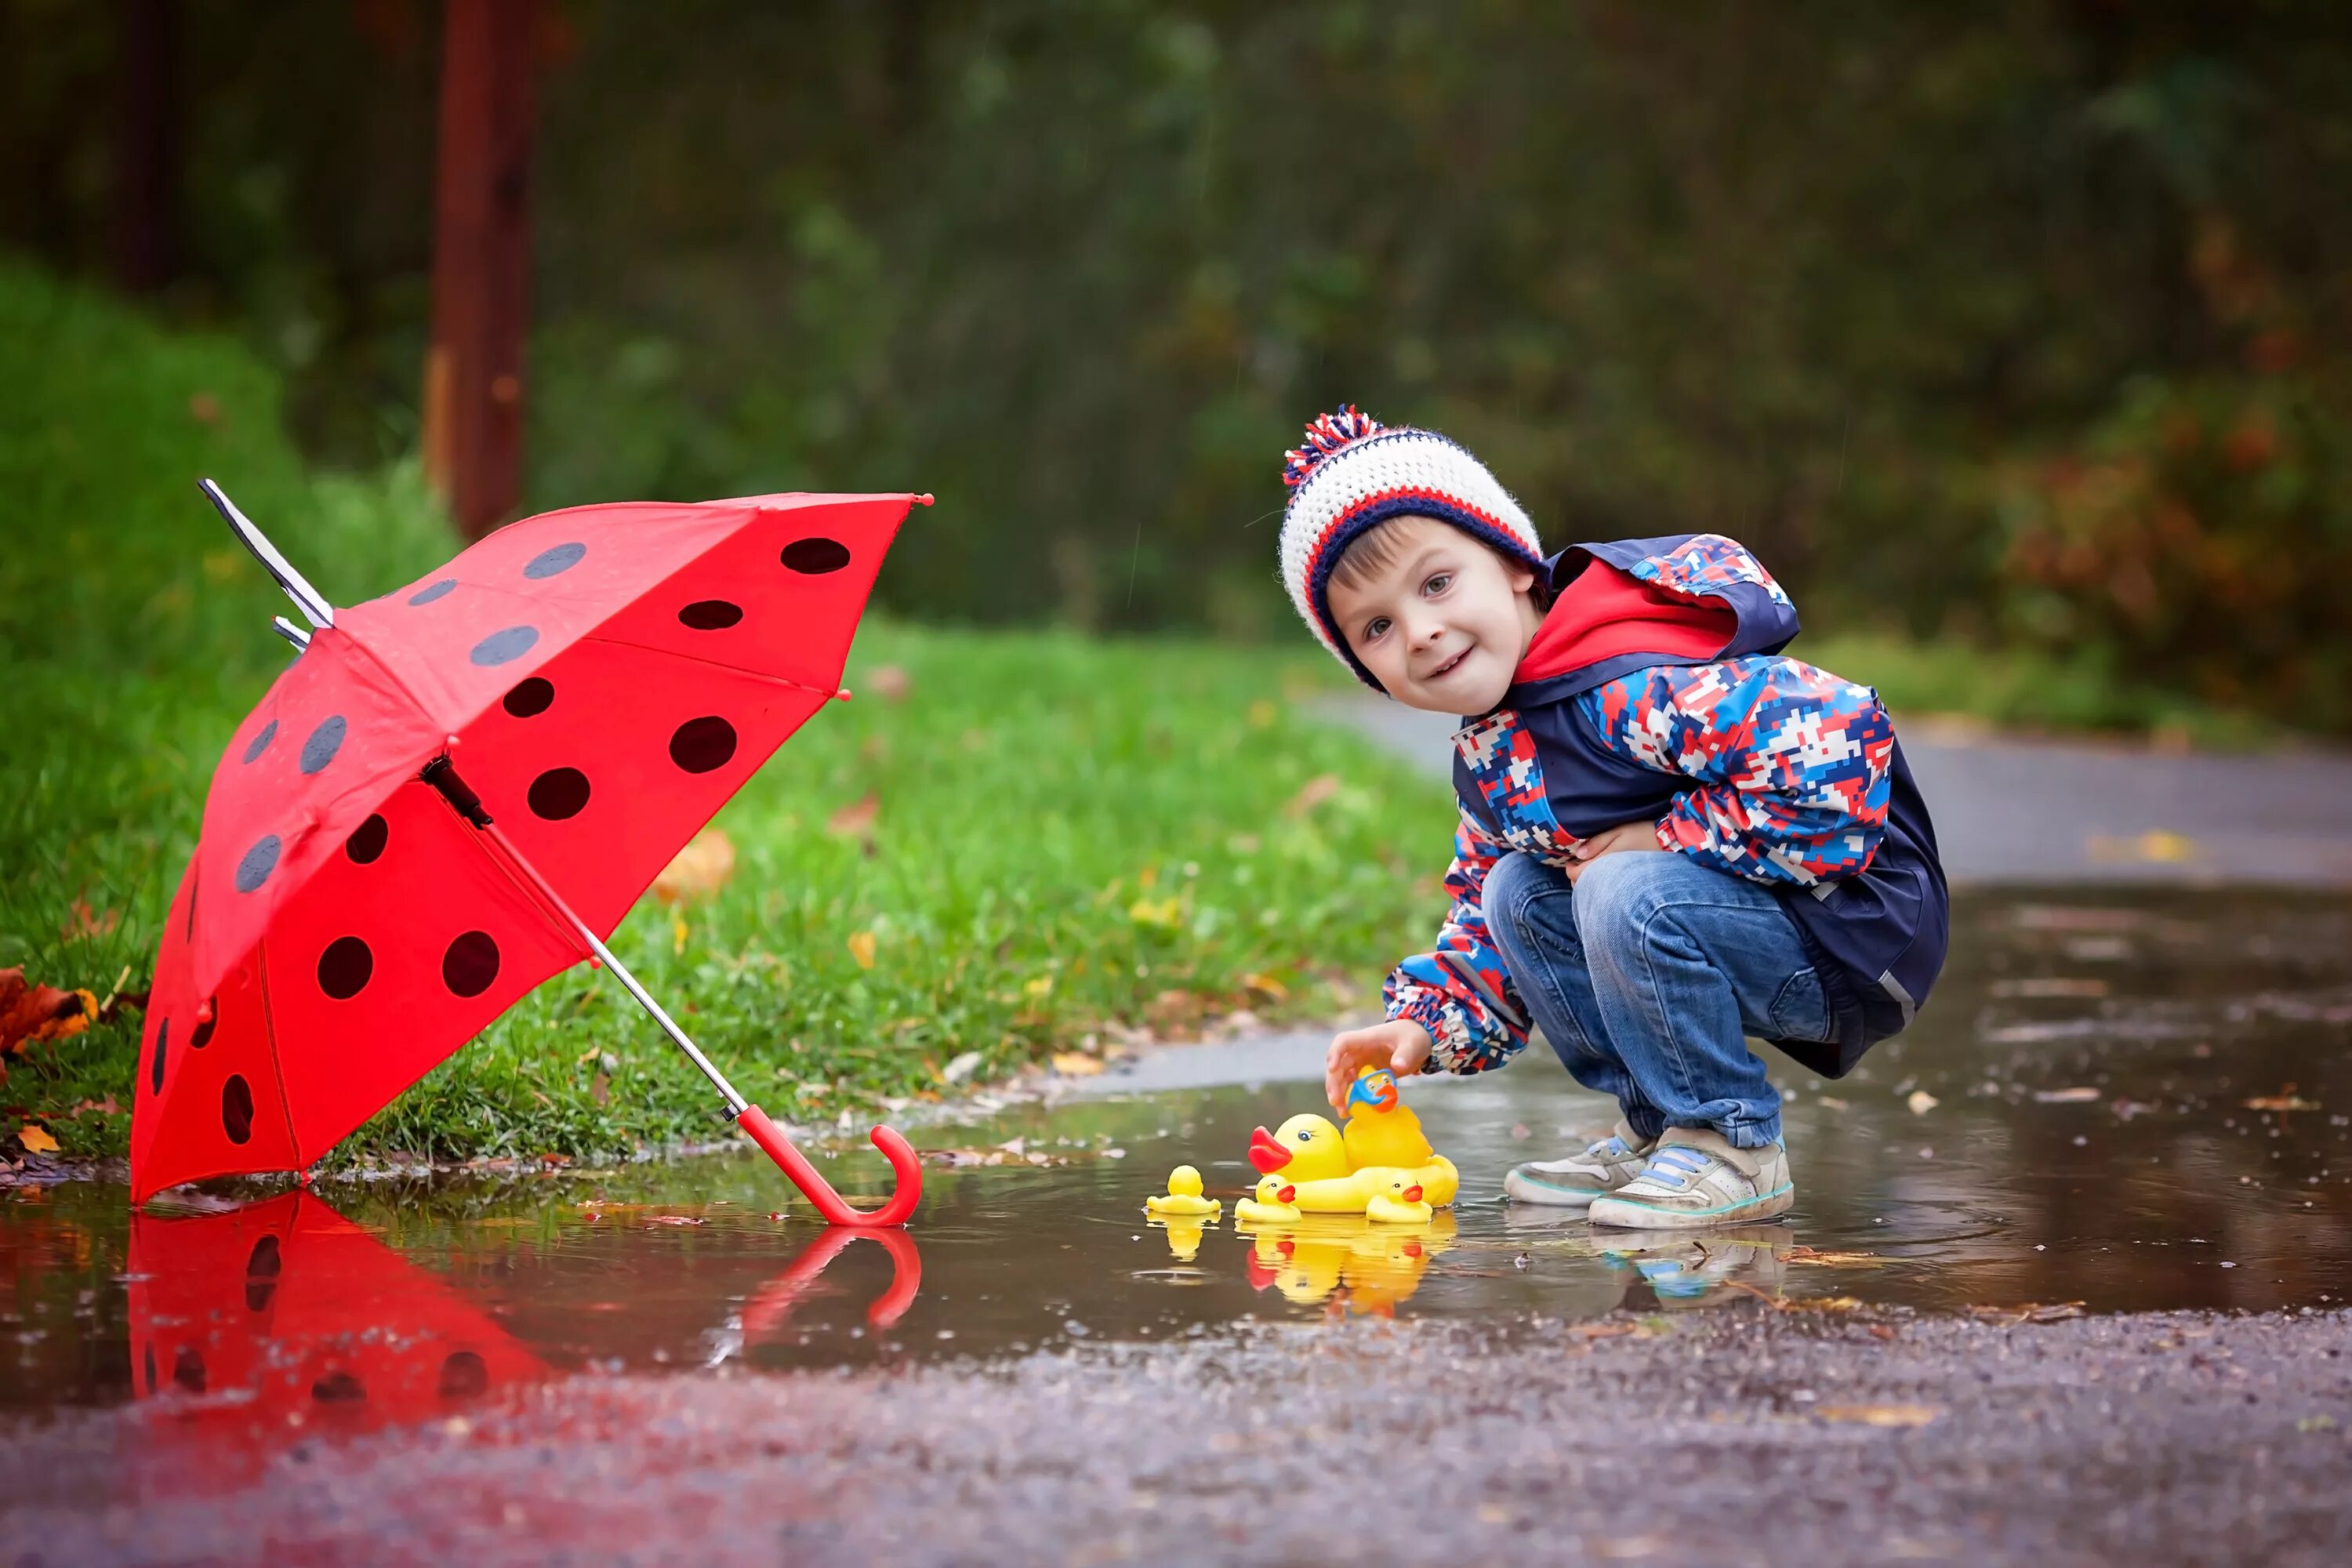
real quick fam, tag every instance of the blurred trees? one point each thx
(2023, 321)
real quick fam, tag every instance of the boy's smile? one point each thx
(1439, 619)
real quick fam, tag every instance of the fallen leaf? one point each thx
(1921, 1102)
(601, 1091)
(2080, 1095)
(1803, 1254)
(1312, 794)
(856, 818)
(1166, 913)
(1265, 986)
(2284, 1100)
(679, 932)
(1077, 1064)
(861, 948)
(36, 1140)
(700, 870)
(1824, 1304)
(960, 1066)
(1035, 989)
(1832, 1102)
(2029, 1313)
(888, 682)
(86, 924)
(29, 1012)
(1880, 1415)
(674, 1219)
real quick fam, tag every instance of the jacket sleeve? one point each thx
(1460, 991)
(1788, 763)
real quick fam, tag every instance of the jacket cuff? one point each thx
(1451, 1037)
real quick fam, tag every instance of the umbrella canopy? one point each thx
(283, 1320)
(457, 789)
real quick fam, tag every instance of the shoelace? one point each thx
(1676, 1164)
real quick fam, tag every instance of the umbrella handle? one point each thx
(819, 1192)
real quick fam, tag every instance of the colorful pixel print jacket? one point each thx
(1751, 763)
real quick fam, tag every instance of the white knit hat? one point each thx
(1354, 473)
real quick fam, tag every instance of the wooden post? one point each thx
(481, 261)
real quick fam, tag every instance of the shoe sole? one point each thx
(1521, 1189)
(1632, 1214)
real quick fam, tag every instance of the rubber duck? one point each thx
(1304, 1148)
(1401, 1203)
(1382, 1128)
(1269, 1205)
(1311, 1154)
(1183, 1200)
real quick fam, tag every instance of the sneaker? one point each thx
(1575, 1182)
(1697, 1178)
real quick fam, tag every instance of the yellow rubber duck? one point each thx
(1382, 1128)
(1183, 1200)
(1401, 1203)
(1270, 1204)
(1312, 1155)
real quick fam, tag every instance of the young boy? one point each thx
(1671, 837)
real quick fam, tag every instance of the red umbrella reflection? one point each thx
(263, 1325)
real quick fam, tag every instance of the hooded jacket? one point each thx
(1655, 690)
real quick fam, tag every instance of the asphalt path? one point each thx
(2021, 810)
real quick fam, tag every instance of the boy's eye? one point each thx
(1379, 625)
(1438, 584)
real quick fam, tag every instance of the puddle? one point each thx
(2068, 1124)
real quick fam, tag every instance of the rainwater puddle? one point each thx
(2069, 1124)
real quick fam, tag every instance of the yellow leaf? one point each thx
(677, 931)
(1262, 713)
(1165, 914)
(861, 948)
(1076, 1064)
(37, 1139)
(1038, 987)
(700, 870)
(1880, 1415)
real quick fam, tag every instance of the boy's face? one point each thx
(1443, 622)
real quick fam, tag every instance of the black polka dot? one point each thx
(554, 558)
(367, 840)
(471, 964)
(816, 556)
(261, 1272)
(501, 646)
(339, 1388)
(701, 744)
(464, 1375)
(529, 698)
(188, 1369)
(258, 862)
(237, 1109)
(324, 743)
(344, 967)
(425, 595)
(202, 1035)
(155, 1068)
(260, 743)
(558, 794)
(711, 614)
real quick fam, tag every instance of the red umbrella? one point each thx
(458, 789)
(284, 1320)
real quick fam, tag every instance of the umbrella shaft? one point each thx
(735, 1102)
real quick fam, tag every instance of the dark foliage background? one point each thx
(2024, 321)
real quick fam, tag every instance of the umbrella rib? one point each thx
(277, 1057)
(716, 664)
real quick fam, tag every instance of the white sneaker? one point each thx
(1573, 1182)
(1697, 1178)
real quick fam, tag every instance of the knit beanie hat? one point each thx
(1354, 473)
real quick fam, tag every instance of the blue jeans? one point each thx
(1645, 975)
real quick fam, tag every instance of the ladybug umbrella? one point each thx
(458, 789)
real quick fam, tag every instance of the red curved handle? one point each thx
(766, 1312)
(819, 1192)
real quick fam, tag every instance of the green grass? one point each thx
(1071, 837)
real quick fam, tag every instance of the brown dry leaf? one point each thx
(888, 682)
(1880, 1415)
(2284, 1100)
(2080, 1095)
(107, 1107)
(674, 1219)
(2027, 1312)
(1267, 986)
(29, 1012)
(1601, 1331)
(1824, 1304)
(1077, 1064)
(856, 818)
(1312, 794)
(88, 923)
(700, 870)
(1803, 1254)
(861, 948)
(601, 1091)
(36, 1140)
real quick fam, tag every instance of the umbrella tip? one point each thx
(841, 695)
(923, 500)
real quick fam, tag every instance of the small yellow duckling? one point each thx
(1184, 1199)
(1270, 1204)
(1401, 1203)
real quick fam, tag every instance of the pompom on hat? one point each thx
(1353, 473)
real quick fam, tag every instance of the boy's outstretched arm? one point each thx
(1789, 764)
(1459, 992)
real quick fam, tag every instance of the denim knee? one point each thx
(1510, 882)
(1617, 897)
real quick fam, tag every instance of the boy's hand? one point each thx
(1617, 841)
(1400, 1045)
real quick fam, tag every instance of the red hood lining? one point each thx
(1606, 612)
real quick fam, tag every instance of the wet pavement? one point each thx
(2123, 1104)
